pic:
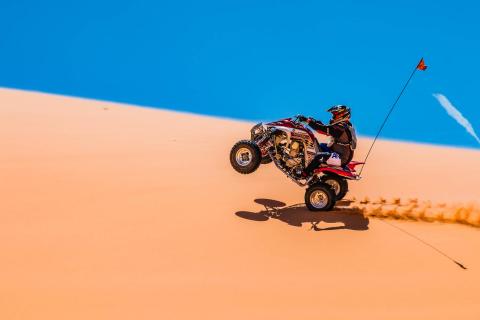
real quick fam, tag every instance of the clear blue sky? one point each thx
(255, 59)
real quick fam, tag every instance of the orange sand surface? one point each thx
(116, 212)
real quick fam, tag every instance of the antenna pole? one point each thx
(386, 118)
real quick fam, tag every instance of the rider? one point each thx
(344, 139)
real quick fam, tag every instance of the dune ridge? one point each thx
(113, 211)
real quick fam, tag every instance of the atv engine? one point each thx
(290, 152)
(290, 155)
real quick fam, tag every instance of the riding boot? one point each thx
(319, 158)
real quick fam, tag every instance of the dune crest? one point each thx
(112, 211)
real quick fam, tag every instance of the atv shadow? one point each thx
(297, 214)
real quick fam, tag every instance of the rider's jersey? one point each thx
(345, 139)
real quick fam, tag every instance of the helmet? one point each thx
(340, 113)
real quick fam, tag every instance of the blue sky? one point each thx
(255, 59)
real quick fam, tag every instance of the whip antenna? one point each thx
(420, 66)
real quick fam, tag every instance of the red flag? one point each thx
(421, 65)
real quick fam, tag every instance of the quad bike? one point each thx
(291, 146)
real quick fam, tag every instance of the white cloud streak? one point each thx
(455, 114)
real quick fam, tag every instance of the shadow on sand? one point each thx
(297, 214)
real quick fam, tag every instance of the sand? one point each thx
(120, 212)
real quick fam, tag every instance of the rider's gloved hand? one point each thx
(302, 118)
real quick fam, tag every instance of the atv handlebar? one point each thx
(296, 119)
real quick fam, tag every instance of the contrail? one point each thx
(455, 114)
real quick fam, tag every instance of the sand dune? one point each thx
(118, 212)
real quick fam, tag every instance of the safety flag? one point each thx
(421, 65)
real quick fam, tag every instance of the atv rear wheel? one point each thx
(245, 156)
(320, 197)
(338, 184)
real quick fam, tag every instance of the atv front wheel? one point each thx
(245, 156)
(320, 197)
(338, 184)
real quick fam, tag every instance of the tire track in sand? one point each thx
(415, 210)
